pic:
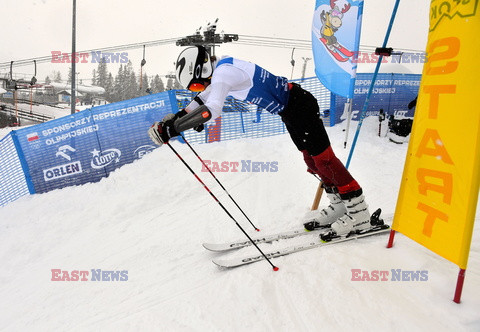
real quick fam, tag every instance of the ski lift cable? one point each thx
(48, 58)
(243, 40)
(308, 42)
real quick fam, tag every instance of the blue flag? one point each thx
(335, 40)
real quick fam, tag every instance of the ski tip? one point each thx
(222, 264)
(212, 247)
(275, 268)
(258, 230)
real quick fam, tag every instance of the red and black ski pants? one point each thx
(302, 120)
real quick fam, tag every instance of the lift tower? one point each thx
(209, 39)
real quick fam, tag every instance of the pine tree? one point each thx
(102, 73)
(157, 84)
(133, 86)
(118, 88)
(160, 85)
(169, 83)
(109, 87)
(94, 77)
(48, 80)
(130, 82)
(69, 78)
(57, 76)
(177, 85)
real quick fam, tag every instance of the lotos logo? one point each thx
(141, 151)
(104, 158)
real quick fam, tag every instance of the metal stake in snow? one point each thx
(221, 205)
(203, 163)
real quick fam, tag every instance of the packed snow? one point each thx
(151, 217)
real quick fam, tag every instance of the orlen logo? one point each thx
(141, 151)
(103, 158)
(62, 171)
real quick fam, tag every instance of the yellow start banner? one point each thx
(440, 183)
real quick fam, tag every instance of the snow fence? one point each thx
(79, 148)
(391, 92)
(89, 145)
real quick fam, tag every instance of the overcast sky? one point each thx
(34, 28)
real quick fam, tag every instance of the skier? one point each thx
(216, 79)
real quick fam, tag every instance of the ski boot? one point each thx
(357, 217)
(325, 217)
(376, 224)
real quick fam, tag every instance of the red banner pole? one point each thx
(390, 239)
(458, 289)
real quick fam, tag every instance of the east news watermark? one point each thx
(371, 57)
(244, 166)
(89, 57)
(389, 275)
(89, 275)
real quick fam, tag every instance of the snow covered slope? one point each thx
(151, 217)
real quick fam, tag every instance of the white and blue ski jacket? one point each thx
(244, 81)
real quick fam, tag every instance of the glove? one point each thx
(199, 128)
(161, 132)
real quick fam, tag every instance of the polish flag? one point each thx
(32, 137)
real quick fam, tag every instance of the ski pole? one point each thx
(221, 205)
(318, 194)
(381, 117)
(203, 163)
(317, 177)
(370, 89)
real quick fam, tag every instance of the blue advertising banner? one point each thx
(88, 145)
(391, 92)
(335, 40)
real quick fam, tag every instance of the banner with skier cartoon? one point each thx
(335, 40)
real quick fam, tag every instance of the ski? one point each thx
(333, 52)
(344, 51)
(220, 247)
(235, 262)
